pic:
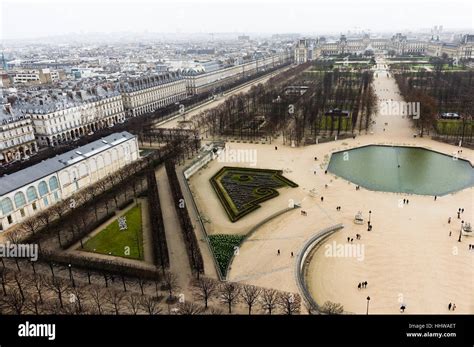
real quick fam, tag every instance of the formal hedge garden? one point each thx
(224, 247)
(241, 190)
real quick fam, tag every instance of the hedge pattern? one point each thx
(241, 190)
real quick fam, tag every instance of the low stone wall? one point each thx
(302, 260)
(202, 160)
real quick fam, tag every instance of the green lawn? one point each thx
(123, 243)
(453, 127)
(326, 123)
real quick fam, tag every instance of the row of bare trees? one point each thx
(270, 301)
(160, 246)
(439, 92)
(280, 106)
(187, 228)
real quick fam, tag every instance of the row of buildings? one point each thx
(38, 187)
(49, 116)
(398, 44)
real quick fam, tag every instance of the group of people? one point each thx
(471, 247)
(460, 211)
(405, 201)
(278, 253)
(362, 285)
(452, 307)
(304, 213)
(357, 187)
(350, 239)
(338, 208)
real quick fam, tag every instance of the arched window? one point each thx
(31, 194)
(43, 188)
(7, 206)
(20, 199)
(53, 183)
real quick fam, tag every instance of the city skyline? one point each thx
(29, 20)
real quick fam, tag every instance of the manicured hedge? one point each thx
(94, 264)
(192, 246)
(238, 208)
(160, 246)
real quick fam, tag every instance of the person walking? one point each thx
(449, 220)
(278, 252)
(322, 198)
(449, 306)
(359, 286)
(292, 254)
(436, 197)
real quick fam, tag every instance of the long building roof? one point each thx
(12, 182)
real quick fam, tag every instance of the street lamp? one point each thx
(70, 276)
(368, 300)
(460, 231)
(368, 223)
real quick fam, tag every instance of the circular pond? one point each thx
(399, 169)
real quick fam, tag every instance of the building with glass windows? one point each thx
(26, 192)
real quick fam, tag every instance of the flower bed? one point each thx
(224, 247)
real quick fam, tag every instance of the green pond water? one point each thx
(402, 169)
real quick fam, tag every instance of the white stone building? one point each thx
(60, 116)
(38, 76)
(17, 139)
(201, 82)
(148, 93)
(28, 191)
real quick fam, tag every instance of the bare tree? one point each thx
(97, 296)
(332, 308)
(170, 282)
(133, 301)
(289, 303)
(38, 281)
(4, 279)
(204, 288)
(189, 308)
(31, 225)
(45, 217)
(59, 209)
(14, 301)
(269, 300)
(250, 295)
(115, 298)
(33, 305)
(229, 294)
(141, 283)
(59, 286)
(20, 281)
(78, 297)
(150, 305)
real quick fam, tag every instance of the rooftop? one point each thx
(9, 183)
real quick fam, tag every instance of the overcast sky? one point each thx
(39, 18)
